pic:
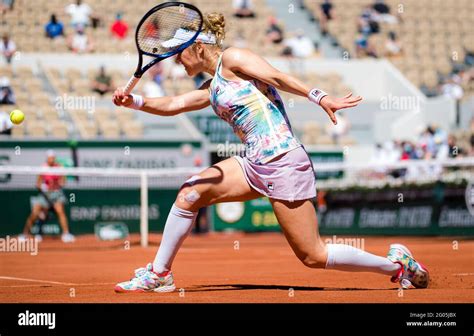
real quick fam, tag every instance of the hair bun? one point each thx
(215, 24)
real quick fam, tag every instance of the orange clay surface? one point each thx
(221, 267)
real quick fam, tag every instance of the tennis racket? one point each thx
(166, 30)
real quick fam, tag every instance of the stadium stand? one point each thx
(436, 37)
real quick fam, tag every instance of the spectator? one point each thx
(54, 28)
(408, 151)
(364, 46)
(151, 28)
(5, 123)
(7, 48)
(119, 28)
(427, 143)
(384, 155)
(336, 132)
(102, 83)
(381, 7)
(296, 50)
(81, 14)
(6, 5)
(153, 87)
(7, 97)
(367, 22)
(301, 46)
(454, 149)
(243, 8)
(325, 14)
(393, 47)
(80, 42)
(274, 32)
(382, 12)
(452, 89)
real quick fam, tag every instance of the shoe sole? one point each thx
(162, 289)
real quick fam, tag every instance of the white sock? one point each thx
(177, 227)
(347, 258)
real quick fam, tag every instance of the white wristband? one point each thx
(315, 95)
(138, 102)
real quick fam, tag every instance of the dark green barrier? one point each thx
(435, 209)
(90, 207)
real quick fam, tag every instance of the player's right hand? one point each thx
(120, 99)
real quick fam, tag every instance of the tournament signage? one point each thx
(437, 209)
(92, 200)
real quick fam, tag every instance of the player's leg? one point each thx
(223, 182)
(35, 212)
(66, 236)
(300, 226)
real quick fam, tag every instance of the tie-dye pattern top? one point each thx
(256, 113)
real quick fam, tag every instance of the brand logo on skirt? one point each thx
(270, 186)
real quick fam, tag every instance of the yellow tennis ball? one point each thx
(17, 117)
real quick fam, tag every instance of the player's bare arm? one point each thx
(168, 106)
(245, 63)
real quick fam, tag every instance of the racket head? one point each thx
(163, 23)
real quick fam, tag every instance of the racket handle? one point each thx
(130, 85)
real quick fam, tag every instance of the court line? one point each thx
(53, 282)
(35, 280)
(76, 285)
(463, 274)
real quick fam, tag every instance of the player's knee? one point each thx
(191, 197)
(314, 259)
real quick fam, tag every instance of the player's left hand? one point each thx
(331, 104)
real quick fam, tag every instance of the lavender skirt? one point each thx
(289, 176)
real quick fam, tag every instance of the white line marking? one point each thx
(463, 274)
(76, 285)
(35, 280)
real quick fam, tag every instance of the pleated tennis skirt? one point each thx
(289, 176)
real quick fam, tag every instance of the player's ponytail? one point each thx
(214, 23)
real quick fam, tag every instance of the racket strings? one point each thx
(163, 25)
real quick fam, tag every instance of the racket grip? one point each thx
(130, 85)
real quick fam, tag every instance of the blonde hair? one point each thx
(214, 23)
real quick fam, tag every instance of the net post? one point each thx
(144, 209)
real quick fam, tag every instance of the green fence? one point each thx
(435, 209)
(90, 207)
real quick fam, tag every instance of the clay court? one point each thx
(209, 268)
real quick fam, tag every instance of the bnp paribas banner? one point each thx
(437, 209)
(92, 200)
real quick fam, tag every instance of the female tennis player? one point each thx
(243, 92)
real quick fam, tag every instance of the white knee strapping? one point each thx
(192, 196)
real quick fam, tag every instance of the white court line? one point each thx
(51, 282)
(76, 285)
(463, 274)
(35, 280)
